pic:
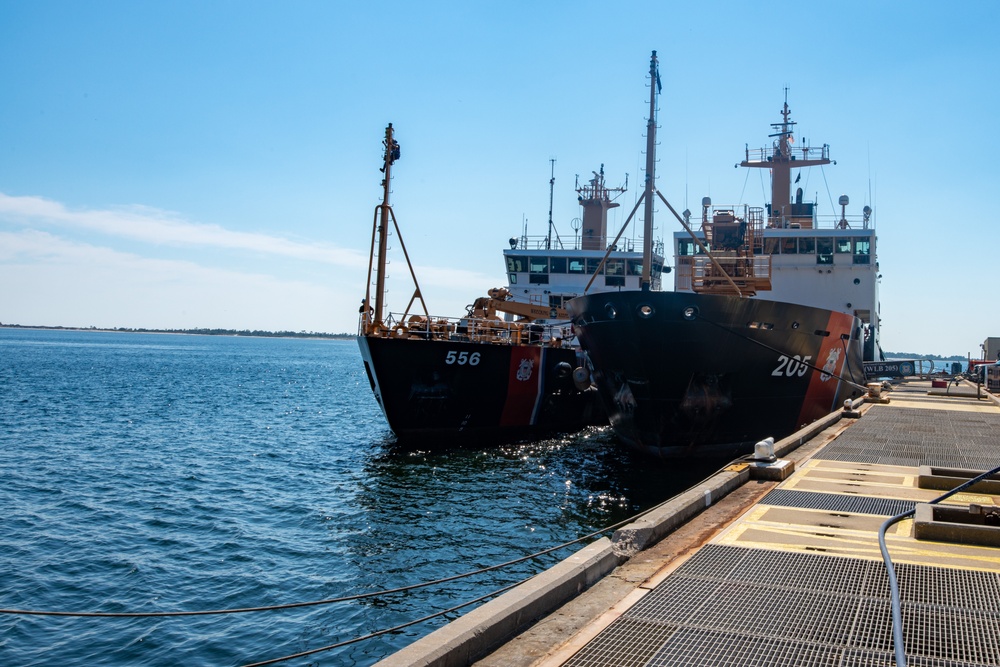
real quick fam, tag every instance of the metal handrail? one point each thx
(472, 329)
(795, 152)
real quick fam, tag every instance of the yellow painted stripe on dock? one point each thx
(835, 532)
(808, 530)
(760, 534)
(876, 481)
(934, 403)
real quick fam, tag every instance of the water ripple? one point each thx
(161, 472)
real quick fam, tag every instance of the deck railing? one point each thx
(795, 152)
(576, 243)
(493, 331)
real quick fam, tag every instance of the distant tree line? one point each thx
(196, 332)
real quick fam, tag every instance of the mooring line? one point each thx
(378, 633)
(326, 601)
(31, 612)
(314, 603)
(774, 349)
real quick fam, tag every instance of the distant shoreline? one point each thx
(338, 336)
(246, 333)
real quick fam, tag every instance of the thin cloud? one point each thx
(54, 281)
(149, 225)
(58, 281)
(33, 247)
(63, 267)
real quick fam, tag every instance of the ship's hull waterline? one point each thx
(682, 373)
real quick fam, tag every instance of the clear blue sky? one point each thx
(215, 164)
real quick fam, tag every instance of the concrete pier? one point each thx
(758, 572)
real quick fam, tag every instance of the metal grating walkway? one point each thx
(920, 437)
(798, 581)
(837, 503)
(737, 606)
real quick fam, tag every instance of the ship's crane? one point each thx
(500, 299)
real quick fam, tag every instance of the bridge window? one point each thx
(614, 267)
(844, 245)
(634, 267)
(592, 264)
(577, 265)
(862, 251)
(538, 265)
(771, 246)
(807, 245)
(516, 263)
(686, 248)
(824, 250)
(789, 246)
(557, 264)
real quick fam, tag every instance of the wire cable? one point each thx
(774, 349)
(367, 595)
(847, 359)
(345, 598)
(378, 633)
(311, 603)
(470, 602)
(899, 646)
(743, 191)
(828, 192)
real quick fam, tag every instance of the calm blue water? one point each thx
(145, 472)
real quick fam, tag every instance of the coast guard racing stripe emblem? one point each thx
(524, 386)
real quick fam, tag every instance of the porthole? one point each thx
(857, 281)
(610, 310)
(690, 312)
(645, 311)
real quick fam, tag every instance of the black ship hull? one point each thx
(682, 373)
(441, 390)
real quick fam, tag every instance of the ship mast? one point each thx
(647, 229)
(373, 317)
(782, 158)
(552, 185)
(646, 280)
